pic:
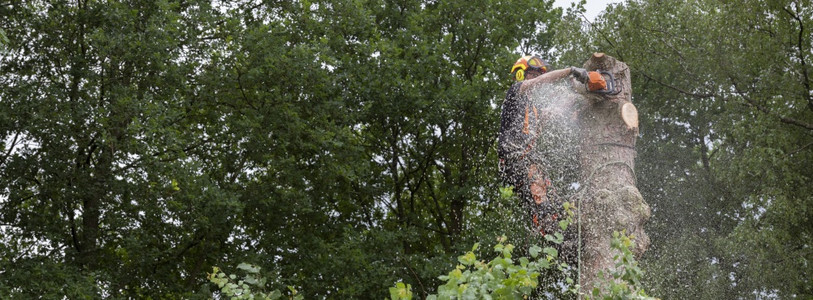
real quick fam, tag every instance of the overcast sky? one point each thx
(593, 6)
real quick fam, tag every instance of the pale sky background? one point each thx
(594, 7)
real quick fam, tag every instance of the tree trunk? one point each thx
(611, 201)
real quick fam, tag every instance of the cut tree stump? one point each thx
(610, 201)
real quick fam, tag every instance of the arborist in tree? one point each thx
(520, 124)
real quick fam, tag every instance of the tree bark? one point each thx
(611, 201)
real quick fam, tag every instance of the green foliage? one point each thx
(624, 280)
(250, 286)
(501, 278)
(401, 291)
(504, 277)
(3, 39)
(144, 141)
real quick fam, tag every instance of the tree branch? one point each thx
(677, 89)
(800, 149)
(414, 275)
(133, 164)
(10, 148)
(800, 45)
(242, 89)
(752, 103)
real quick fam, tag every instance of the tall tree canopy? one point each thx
(346, 145)
(327, 141)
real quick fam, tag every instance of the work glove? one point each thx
(579, 73)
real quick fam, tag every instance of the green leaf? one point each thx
(534, 251)
(551, 251)
(564, 223)
(401, 291)
(468, 259)
(506, 192)
(251, 269)
(523, 261)
(556, 238)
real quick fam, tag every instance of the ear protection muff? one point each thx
(520, 75)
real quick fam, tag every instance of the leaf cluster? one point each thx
(624, 280)
(251, 286)
(501, 278)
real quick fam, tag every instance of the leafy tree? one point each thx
(326, 141)
(105, 189)
(412, 86)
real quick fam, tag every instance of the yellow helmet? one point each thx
(523, 64)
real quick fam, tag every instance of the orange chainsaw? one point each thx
(598, 81)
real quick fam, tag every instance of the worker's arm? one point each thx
(552, 76)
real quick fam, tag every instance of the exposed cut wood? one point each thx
(630, 115)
